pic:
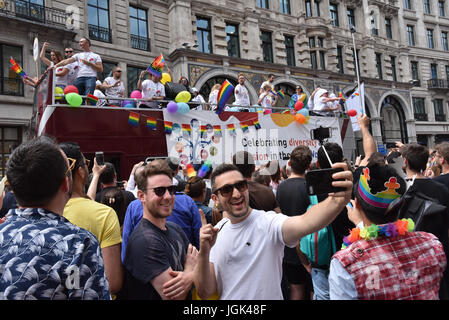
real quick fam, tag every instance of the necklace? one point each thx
(400, 227)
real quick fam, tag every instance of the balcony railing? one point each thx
(11, 86)
(100, 33)
(421, 116)
(140, 43)
(34, 12)
(437, 84)
(440, 117)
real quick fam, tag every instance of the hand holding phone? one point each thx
(99, 156)
(320, 181)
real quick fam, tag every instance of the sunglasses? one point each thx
(118, 71)
(72, 163)
(228, 189)
(160, 191)
(68, 51)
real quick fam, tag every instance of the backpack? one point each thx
(319, 247)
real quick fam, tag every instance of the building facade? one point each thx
(401, 47)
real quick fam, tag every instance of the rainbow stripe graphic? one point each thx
(381, 199)
(256, 124)
(231, 128)
(203, 131)
(157, 66)
(93, 99)
(244, 127)
(186, 130)
(151, 123)
(168, 127)
(190, 170)
(217, 131)
(281, 94)
(225, 92)
(17, 69)
(134, 119)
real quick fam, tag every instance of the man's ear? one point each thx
(140, 195)
(214, 199)
(65, 185)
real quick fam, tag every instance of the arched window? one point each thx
(393, 121)
(206, 88)
(288, 89)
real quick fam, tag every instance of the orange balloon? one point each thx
(300, 118)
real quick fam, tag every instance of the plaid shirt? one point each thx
(404, 267)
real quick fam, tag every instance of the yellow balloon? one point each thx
(183, 96)
(58, 90)
(165, 78)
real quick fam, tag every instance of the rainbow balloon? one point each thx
(225, 92)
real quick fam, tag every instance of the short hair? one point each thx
(153, 168)
(416, 155)
(115, 199)
(300, 159)
(376, 157)
(261, 176)
(221, 169)
(334, 151)
(87, 39)
(195, 187)
(392, 156)
(244, 161)
(271, 75)
(240, 75)
(72, 150)
(443, 150)
(35, 171)
(107, 176)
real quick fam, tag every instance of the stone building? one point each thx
(401, 46)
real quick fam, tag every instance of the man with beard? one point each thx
(95, 217)
(244, 260)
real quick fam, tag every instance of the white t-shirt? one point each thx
(267, 82)
(247, 257)
(84, 70)
(73, 73)
(114, 91)
(150, 90)
(60, 80)
(241, 96)
(213, 96)
(267, 101)
(198, 98)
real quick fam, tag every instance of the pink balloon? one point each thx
(136, 94)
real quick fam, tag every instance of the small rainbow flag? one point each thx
(281, 94)
(217, 131)
(17, 69)
(224, 93)
(151, 123)
(341, 95)
(93, 99)
(231, 128)
(190, 170)
(203, 131)
(186, 130)
(168, 127)
(134, 119)
(256, 124)
(244, 127)
(157, 66)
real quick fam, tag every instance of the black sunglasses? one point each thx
(160, 191)
(228, 189)
(118, 70)
(68, 51)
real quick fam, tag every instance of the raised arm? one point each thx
(369, 146)
(42, 54)
(96, 171)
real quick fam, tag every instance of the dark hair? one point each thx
(87, 39)
(72, 150)
(173, 163)
(153, 168)
(300, 159)
(271, 75)
(443, 150)
(416, 156)
(35, 171)
(379, 175)
(195, 187)
(107, 176)
(284, 174)
(334, 151)
(392, 156)
(222, 168)
(261, 178)
(58, 55)
(244, 161)
(376, 157)
(275, 177)
(115, 199)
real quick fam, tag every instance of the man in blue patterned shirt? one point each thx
(43, 255)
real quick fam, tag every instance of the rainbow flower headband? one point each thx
(385, 199)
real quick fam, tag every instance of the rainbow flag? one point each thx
(186, 130)
(168, 127)
(231, 128)
(93, 99)
(224, 93)
(341, 95)
(244, 127)
(157, 66)
(217, 131)
(134, 119)
(256, 124)
(151, 123)
(190, 170)
(281, 94)
(203, 131)
(17, 69)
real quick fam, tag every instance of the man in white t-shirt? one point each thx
(241, 93)
(269, 81)
(323, 105)
(73, 67)
(114, 87)
(197, 98)
(152, 90)
(89, 64)
(241, 257)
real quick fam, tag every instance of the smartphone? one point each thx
(120, 184)
(320, 133)
(99, 156)
(320, 181)
(390, 145)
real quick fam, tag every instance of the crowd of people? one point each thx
(242, 232)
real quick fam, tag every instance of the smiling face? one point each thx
(158, 207)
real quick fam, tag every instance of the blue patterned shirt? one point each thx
(44, 256)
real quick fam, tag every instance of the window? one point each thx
(434, 70)
(444, 42)
(313, 60)
(340, 66)
(232, 38)
(415, 70)
(10, 82)
(323, 60)
(408, 4)
(267, 46)
(427, 6)
(379, 65)
(411, 35)
(312, 42)
(317, 8)
(262, 4)
(439, 111)
(321, 42)
(441, 10)
(419, 109)
(30, 9)
(107, 70)
(203, 34)
(447, 73)
(10, 138)
(98, 19)
(374, 30)
(290, 49)
(388, 31)
(334, 14)
(285, 6)
(133, 76)
(430, 43)
(393, 68)
(351, 17)
(308, 8)
(138, 28)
